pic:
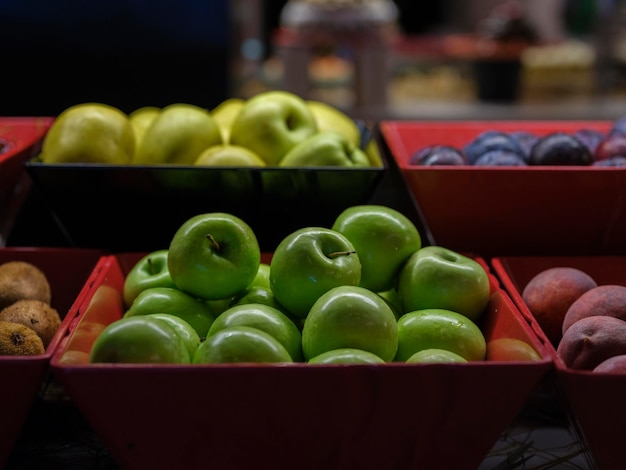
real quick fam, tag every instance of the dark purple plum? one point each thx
(5, 145)
(619, 125)
(500, 158)
(438, 155)
(590, 137)
(613, 161)
(491, 140)
(560, 148)
(613, 145)
(526, 140)
(418, 156)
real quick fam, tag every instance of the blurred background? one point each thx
(375, 59)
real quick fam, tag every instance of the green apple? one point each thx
(436, 328)
(265, 318)
(271, 123)
(258, 295)
(149, 271)
(219, 306)
(383, 237)
(177, 136)
(326, 148)
(308, 263)
(350, 317)
(89, 133)
(392, 299)
(437, 277)
(229, 155)
(346, 356)
(199, 314)
(262, 277)
(214, 256)
(183, 329)
(140, 340)
(225, 113)
(141, 119)
(330, 118)
(434, 355)
(241, 344)
(263, 295)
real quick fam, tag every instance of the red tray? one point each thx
(498, 211)
(67, 270)
(297, 416)
(25, 136)
(595, 401)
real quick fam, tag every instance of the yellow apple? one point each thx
(373, 153)
(229, 155)
(224, 115)
(178, 135)
(271, 123)
(331, 118)
(326, 148)
(141, 118)
(89, 133)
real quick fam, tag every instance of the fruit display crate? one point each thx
(297, 415)
(515, 210)
(138, 207)
(67, 271)
(21, 138)
(594, 400)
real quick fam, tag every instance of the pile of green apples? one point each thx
(364, 291)
(272, 128)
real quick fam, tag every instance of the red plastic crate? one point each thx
(24, 135)
(67, 270)
(595, 401)
(504, 211)
(301, 416)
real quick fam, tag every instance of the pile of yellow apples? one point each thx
(274, 128)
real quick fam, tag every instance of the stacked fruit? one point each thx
(585, 147)
(585, 321)
(274, 128)
(27, 320)
(362, 291)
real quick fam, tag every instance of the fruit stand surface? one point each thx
(57, 436)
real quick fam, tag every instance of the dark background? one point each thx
(126, 53)
(133, 53)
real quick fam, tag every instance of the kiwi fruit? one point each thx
(35, 314)
(19, 340)
(22, 280)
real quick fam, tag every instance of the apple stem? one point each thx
(216, 246)
(151, 266)
(335, 254)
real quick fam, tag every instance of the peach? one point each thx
(592, 340)
(72, 358)
(606, 300)
(550, 293)
(84, 336)
(613, 365)
(510, 349)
